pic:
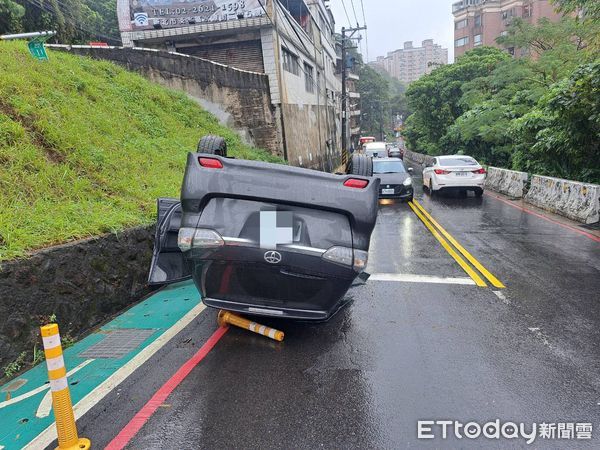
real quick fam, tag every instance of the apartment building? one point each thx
(411, 63)
(291, 41)
(481, 22)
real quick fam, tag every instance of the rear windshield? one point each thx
(457, 161)
(383, 166)
(234, 218)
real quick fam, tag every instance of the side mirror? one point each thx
(410, 170)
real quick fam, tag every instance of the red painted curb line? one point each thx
(144, 414)
(556, 222)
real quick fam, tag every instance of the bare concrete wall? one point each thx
(312, 136)
(238, 98)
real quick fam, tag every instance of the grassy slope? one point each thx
(86, 147)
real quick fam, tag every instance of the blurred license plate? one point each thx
(387, 191)
(461, 174)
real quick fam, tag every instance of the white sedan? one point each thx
(459, 172)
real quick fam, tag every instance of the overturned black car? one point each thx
(266, 239)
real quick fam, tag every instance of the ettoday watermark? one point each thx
(496, 429)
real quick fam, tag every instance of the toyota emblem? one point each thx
(272, 257)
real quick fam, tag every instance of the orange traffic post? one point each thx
(238, 321)
(61, 397)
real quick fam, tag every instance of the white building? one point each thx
(411, 63)
(292, 41)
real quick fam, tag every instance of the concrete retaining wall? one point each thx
(418, 158)
(572, 199)
(238, 98)
(82, 283)
(577, 201)
(509, 182)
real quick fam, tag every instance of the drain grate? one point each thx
(117, 343)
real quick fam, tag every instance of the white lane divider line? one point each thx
(502, 297)
(43, 387)
(408, 278)
(46, 437)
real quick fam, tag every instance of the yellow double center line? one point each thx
(439, 233)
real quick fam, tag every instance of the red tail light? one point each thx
(441, 172)
(480, 171)
(356, 183)
(210, 163)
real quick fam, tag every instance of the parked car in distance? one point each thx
(458, 172)
(395, 178)
(375, 150)
(223, 233)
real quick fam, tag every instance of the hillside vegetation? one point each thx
(86, 147)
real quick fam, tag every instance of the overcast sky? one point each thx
(392, 22)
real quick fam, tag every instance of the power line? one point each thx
(362, 6)
(354, 10)
(346, 11)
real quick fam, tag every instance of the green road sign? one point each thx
(37, 50)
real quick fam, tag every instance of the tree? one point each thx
(76, 21)
(589, 9)
(374, 92)
(436, 98)
(11, 14)
(561, 136)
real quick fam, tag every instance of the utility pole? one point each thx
(347, 35)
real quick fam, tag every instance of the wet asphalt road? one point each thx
(400, 352)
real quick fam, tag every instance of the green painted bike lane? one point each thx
(20, 420)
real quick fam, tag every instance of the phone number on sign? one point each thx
(227, 7)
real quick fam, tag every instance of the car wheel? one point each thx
(431, 191)
(478, 192)
(409, 199)
(215, 145)
(361, 165)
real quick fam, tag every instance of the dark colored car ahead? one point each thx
(395, 179)
(266, 239)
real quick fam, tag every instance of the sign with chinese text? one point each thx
(151, 14)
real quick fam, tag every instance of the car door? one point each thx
(168, 263)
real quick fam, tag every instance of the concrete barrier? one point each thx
(419, 158)
(509, 182)
(577, 201)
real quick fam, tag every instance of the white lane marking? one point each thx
(502, 297)
(534, 329)
(408, 278)
(45, 406)
(46, 437)
(42, 387)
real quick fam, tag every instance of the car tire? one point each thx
(478, 192)
(431, 191)
(409, 199)
(214, 145)
(361, 165)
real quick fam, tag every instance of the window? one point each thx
(290, 62)
(511, 51)
(508, 14)
(477, 40)
(504, 33)
(461, 42)
(527, 11)
(461, 24)
(309, 78)
(478, 21)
